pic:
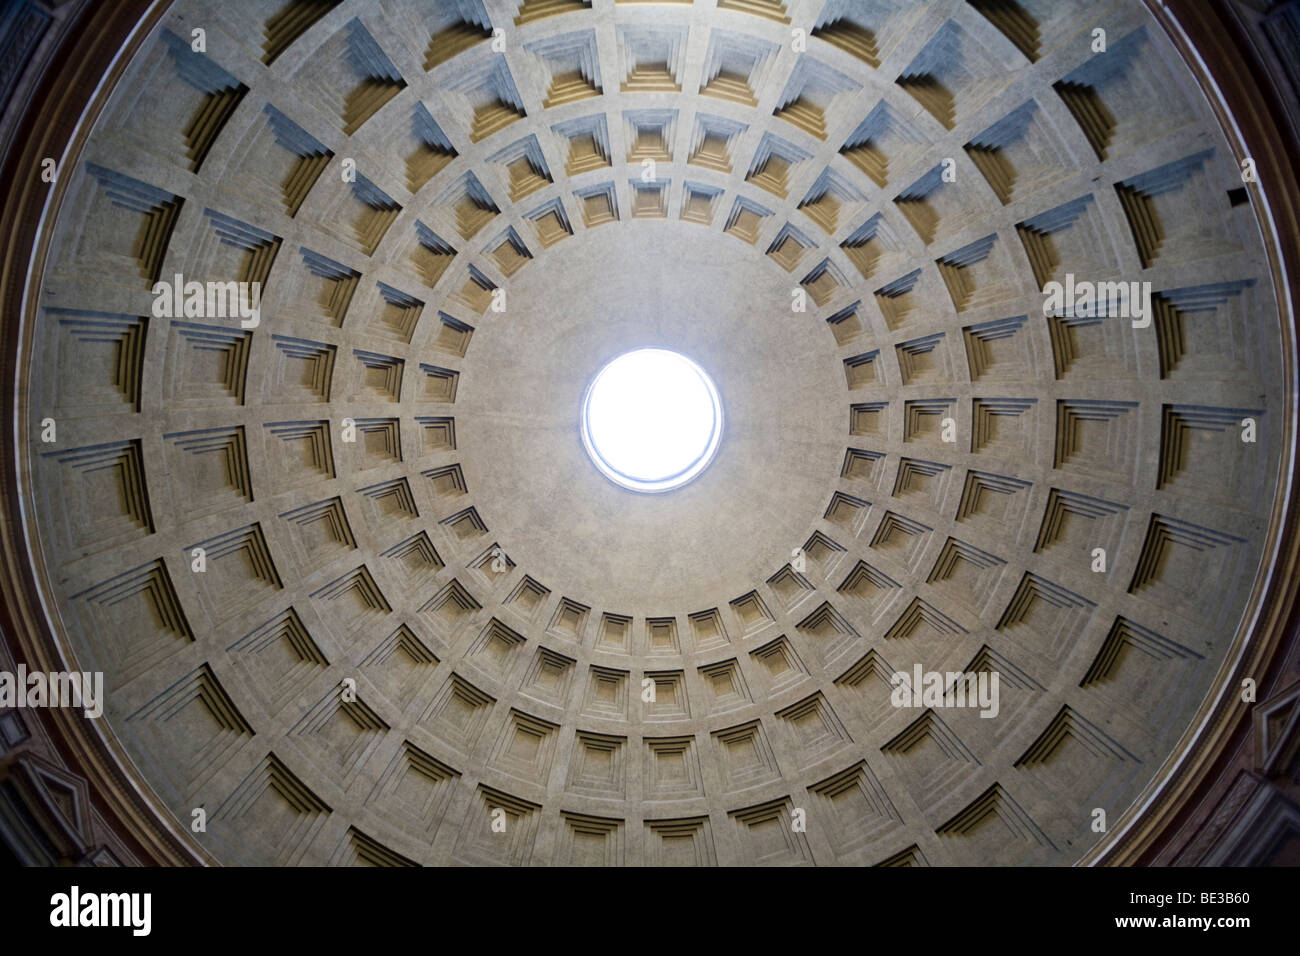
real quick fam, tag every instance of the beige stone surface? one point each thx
(774, 171)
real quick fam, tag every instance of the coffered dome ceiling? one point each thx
(682, 677)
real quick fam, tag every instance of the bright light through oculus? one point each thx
(651, 420)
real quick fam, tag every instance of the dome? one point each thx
(643, 433)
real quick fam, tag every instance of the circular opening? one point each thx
(651, 420)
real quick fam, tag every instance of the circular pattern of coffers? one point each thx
(358, 593)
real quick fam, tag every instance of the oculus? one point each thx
(651, 420)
